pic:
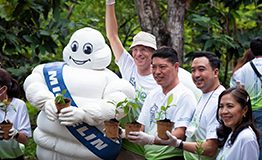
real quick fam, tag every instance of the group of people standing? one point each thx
(224, 123)
(221, 121)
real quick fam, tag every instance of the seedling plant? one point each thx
(165, 108)
(4, 107)
(60, 98)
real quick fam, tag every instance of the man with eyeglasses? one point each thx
(136, 69)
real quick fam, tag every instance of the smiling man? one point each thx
(135, 68)
(205, 70)
(165, 69)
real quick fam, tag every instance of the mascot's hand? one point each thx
(141, 138)
(71, 115)
(51, 110)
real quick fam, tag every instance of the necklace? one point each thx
(207, 101)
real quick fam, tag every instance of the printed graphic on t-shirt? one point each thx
(153, 111)
(132, 81)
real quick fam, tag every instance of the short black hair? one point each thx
(213, 59)
(166, 52)
(256, 46)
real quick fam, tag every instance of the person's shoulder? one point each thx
(183, 89)
(218, 91)
(247, 134)
(245, 67)
(155, 91)
(18, 102)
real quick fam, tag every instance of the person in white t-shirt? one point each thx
(235, 78)
(20, 132)
(237, 134)
(205, 70)
(165, 72)
(136, 68)
(252, 84)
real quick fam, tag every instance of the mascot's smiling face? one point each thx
(87, 49)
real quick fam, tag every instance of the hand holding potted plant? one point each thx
(6, 125)
(61, 101)
(165, 124)
(112, 126)
(133, 126)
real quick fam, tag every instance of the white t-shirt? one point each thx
(235, 78)
(21, 122)
(129, 72)
(180, 114)
(244, 147)
(252, 83)
(204, 121)
(144, 85)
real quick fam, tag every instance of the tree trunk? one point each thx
(151, 20)
(176, 10)
(169, 34)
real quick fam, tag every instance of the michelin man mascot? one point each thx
(77, 132)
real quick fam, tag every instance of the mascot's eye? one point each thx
(74, 46)
(88, 48)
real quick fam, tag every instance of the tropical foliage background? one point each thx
(36, 31)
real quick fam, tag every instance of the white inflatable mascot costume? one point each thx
(77, 132)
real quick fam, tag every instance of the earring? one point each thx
(244, 116)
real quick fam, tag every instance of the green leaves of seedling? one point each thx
(4, 107)
(125, 104)
(165, 108)
(60, 98)
(200, 149)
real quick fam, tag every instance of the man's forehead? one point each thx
(163, 61)
(200, 62)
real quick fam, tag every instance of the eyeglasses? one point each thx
(141, 50)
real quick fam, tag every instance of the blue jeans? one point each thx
(258, 119)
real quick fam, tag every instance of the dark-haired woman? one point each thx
(238, 136)
(21, 130)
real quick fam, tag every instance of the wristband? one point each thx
(180, 147)
(16, 136)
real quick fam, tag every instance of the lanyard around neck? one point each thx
(207, 101)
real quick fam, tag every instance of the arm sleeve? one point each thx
(126, 65)
(185, 111)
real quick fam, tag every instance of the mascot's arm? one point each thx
(117, 90)
(37, 93)
(36, 89)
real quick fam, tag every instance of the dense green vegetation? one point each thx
(36, 31)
